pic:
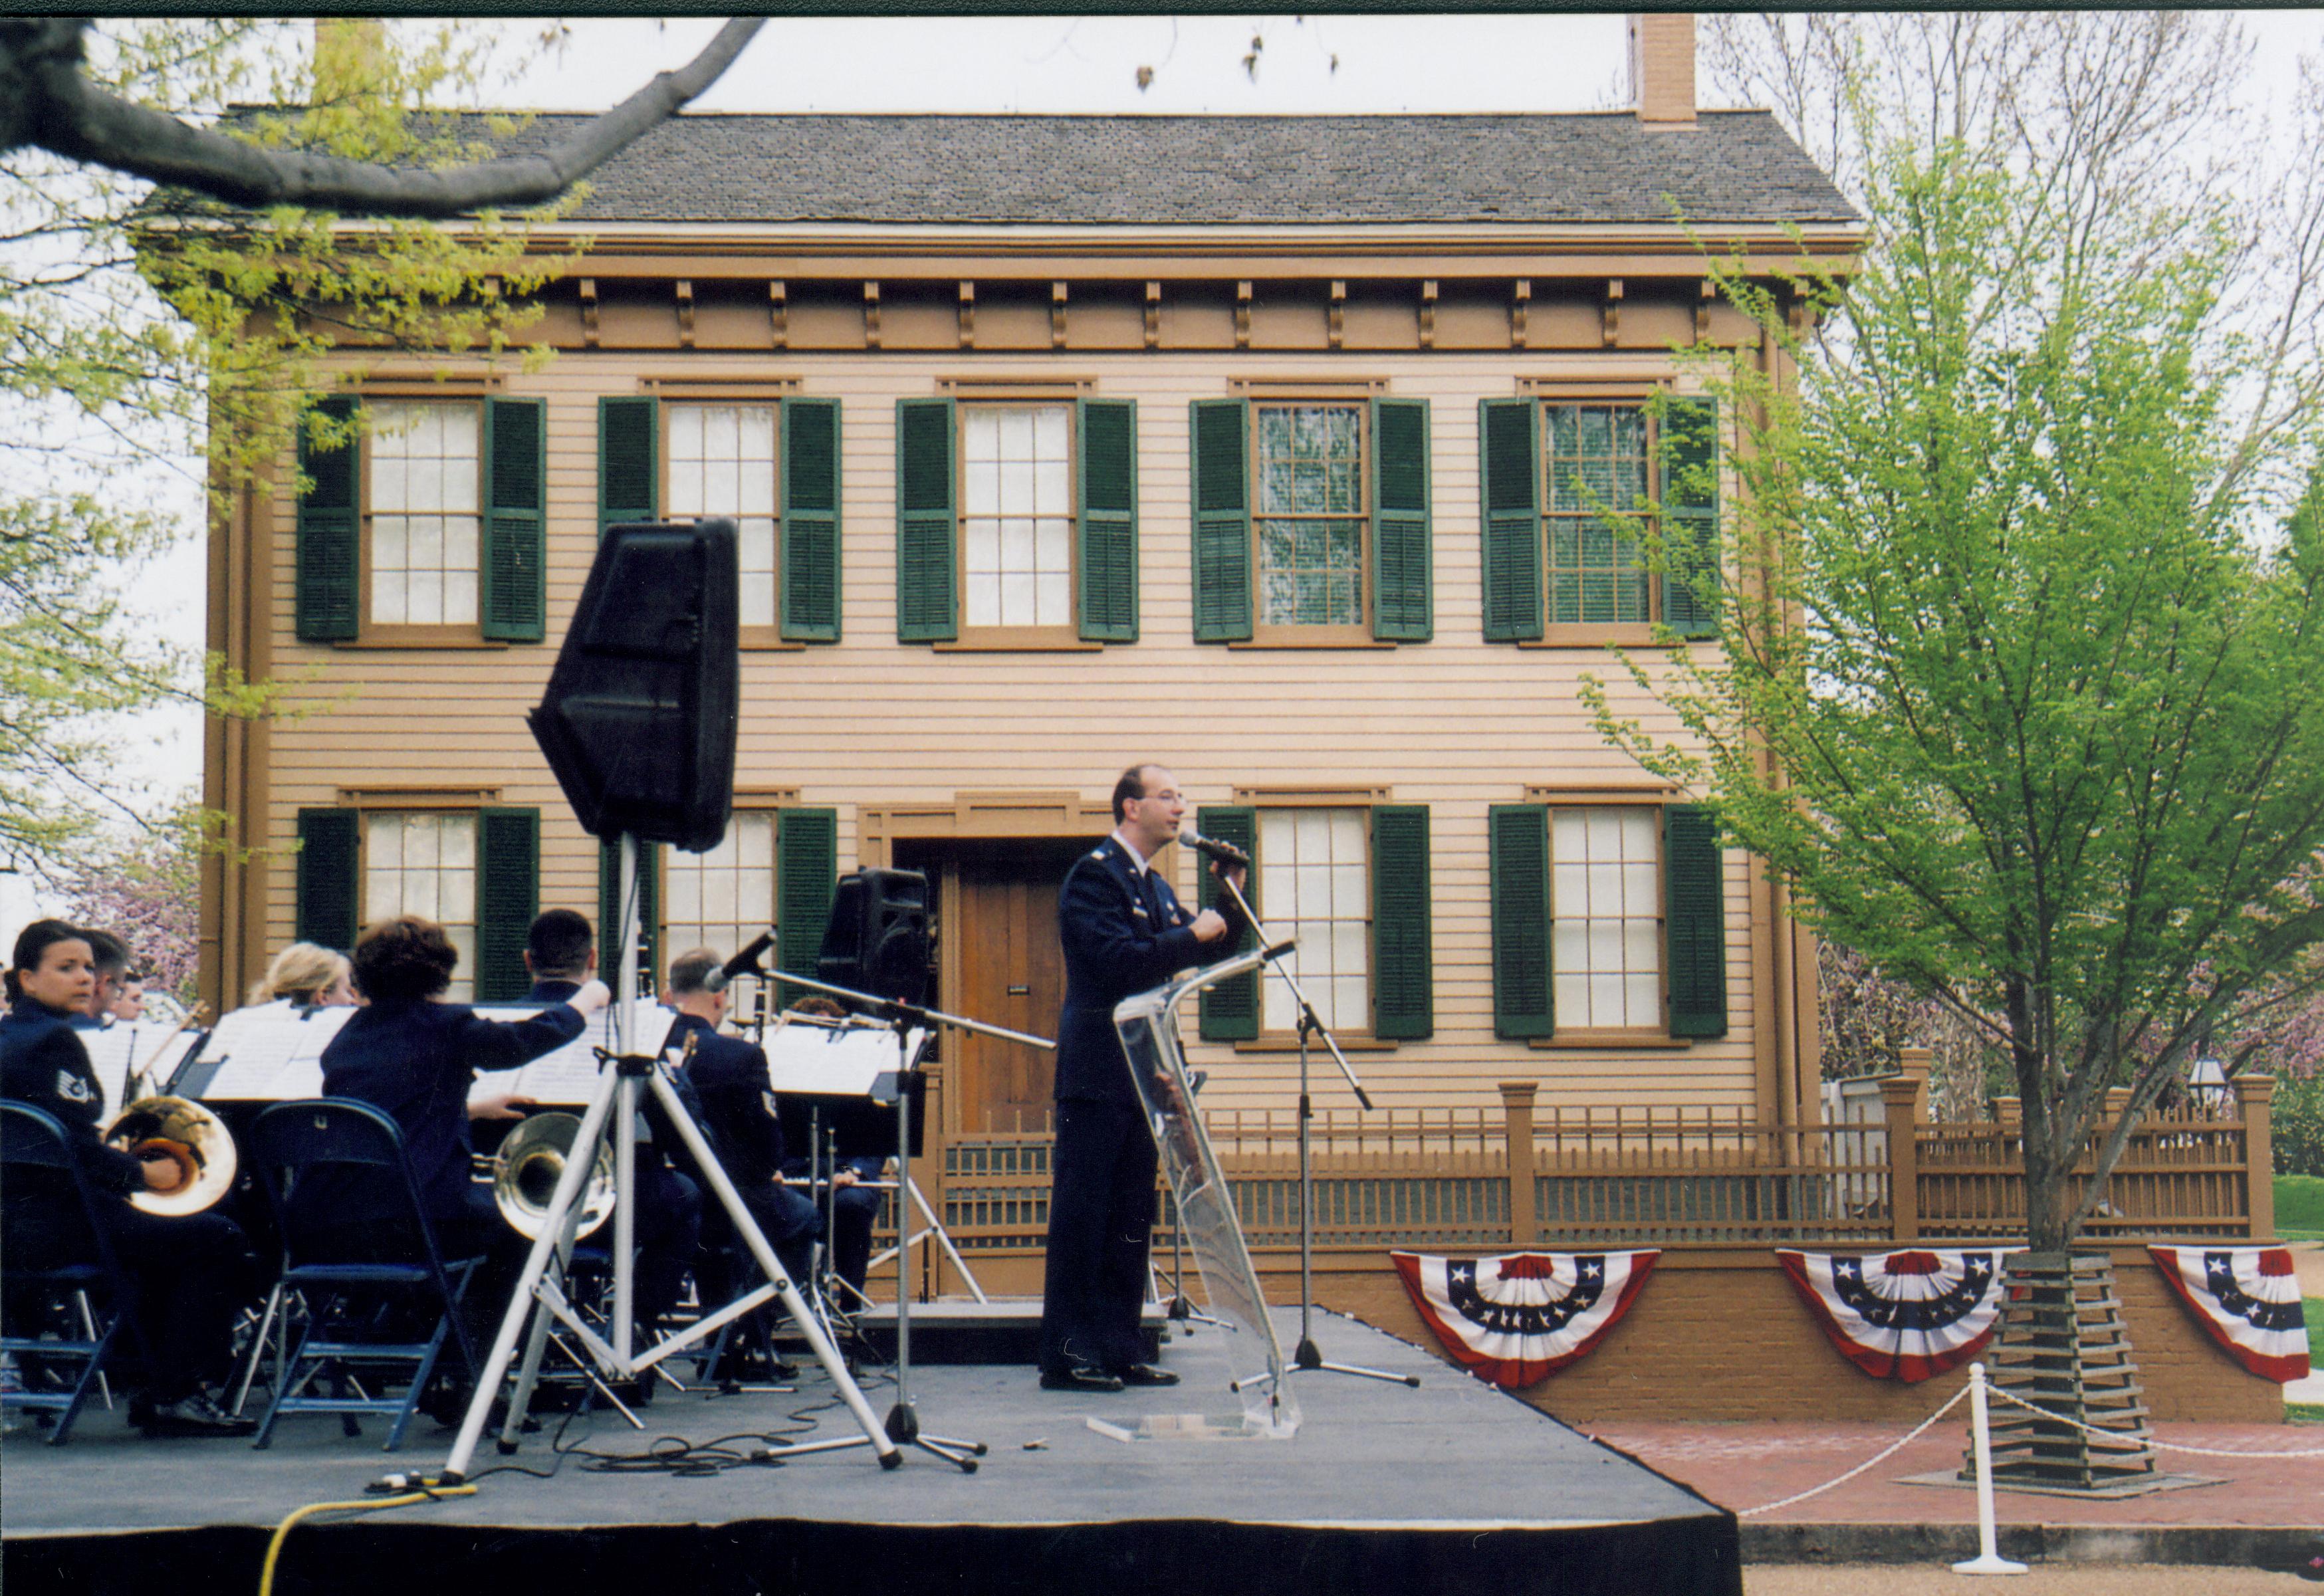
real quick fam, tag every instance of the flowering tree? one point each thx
(146, 889)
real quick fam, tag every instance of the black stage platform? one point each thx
(1451, 1487)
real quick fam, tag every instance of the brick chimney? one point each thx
(1662, 67)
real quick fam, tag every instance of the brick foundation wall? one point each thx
(1720, 1334)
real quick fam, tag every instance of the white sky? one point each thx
(1052, 64)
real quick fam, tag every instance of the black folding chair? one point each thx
(96, 1297)
(354, 1308)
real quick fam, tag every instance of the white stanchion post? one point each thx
(1988, 1558)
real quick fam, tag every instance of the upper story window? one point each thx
(1559, 477)
(1016, 515)
(772, 463)
(1017, 521)
(1311, 521)
(722, 462)
(422, 512)
(428, 529)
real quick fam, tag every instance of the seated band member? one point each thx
(109, 963)
(193, 1271)
(414, 1056)
(560, 951)
(129, 1002)
(306, 975)
(855, 1207)
(728, 1076)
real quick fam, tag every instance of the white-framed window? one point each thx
(422, 500)
(1017, 515)
(1315, 882)
(424, 862)
(1596, 461)
(1606, 915)
(1309, 522)
(722, 899)
(722, 462)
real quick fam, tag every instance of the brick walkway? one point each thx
(1742, 1465)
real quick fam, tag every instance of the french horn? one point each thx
(181, 1132)
(530, 1164)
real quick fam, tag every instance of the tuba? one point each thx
(530, 1164)
(184, 1133)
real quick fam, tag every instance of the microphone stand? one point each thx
(1307, 1358)
(903, 1424)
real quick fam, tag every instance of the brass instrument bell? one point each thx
(530, 1164)
(183, 1133)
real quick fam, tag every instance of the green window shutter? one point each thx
(1230, 1011)
(609, 915)
(1400, 524)
(629, 446)
(1403, 1005)
(330, 578)
(508, 896)
(807, 879)
(810, 557)
(1509, 463)
(1221, 428)
(927, 608)
(514, 591)
(1522, 992)
(329, 884)
(1694, 925)
(1109, 520)
(1690, 460)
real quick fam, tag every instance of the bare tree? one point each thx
(47, 101)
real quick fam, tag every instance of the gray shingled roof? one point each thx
(1734, 166)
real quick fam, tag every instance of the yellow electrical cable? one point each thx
(367, 1505)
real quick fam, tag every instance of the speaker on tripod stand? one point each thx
(878, 939)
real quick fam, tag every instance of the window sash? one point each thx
(722, 459)
(423, 494)
(424, 862)
(1018, 514)
(1311, 514)
(1606, 916)
(720, 899)
(1595, 455)
(1314, 870)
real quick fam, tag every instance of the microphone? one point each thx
(746, 963)
(1212, 848)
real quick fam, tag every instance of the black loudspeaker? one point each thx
(878, 939)
(639, 719)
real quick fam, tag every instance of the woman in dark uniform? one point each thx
(193, 1271)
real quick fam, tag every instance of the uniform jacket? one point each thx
(415, 1058)
(729, 1078)
(43, 1063)
(1122, 933)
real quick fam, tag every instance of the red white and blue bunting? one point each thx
(2248, 1299)
(1903, 1315)
(1517, 1319)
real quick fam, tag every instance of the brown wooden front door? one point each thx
(1002, 914)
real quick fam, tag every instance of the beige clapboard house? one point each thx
(1266, 447)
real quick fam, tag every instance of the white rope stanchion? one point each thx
(1988, 1558)
(1907, 1438)
(2159, 1445)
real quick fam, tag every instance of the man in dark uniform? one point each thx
(1123, 931)
(560, 951)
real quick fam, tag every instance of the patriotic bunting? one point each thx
(1904, 1316)
(1517, 1319)
(2248, 1299)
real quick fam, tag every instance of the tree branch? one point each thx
(63, 112)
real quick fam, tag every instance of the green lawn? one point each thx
(2300, 1207)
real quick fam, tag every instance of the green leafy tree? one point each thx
(158, 342)
(2017, 678)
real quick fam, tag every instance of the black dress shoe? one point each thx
(1078, 1377)
(1146, 1374)
(193, 1416)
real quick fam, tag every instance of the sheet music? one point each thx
(823, 1061)
(567, 1077)
(119, 1051)
(269, 1053)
